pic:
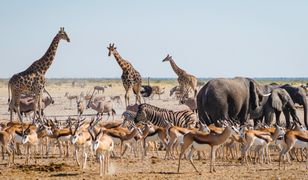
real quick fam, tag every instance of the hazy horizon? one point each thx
(206, 38)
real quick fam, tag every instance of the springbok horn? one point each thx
(92, 120)
(90, 132)
(99, 133)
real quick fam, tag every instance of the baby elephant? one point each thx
(103, 107)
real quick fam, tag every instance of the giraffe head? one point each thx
(168, 58)
(111, 49)
(62, 34)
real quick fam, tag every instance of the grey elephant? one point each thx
(280, 101)
(298, 95)
(229, 99)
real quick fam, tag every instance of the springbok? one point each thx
(260, 139)
(199, 141)
(102, 145)
(70, 97)
(291, 138)
(30, 138)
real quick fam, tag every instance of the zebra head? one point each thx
(141, 114)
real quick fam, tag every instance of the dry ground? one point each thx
(130, 167)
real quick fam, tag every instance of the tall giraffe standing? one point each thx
(32, 80)
(131, 78)
(185, 80)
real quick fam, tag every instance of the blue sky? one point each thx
(256, 38)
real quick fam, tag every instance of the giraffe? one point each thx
(131, 78)
(186, 81)
(32, 80)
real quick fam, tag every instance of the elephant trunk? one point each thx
(203, 117)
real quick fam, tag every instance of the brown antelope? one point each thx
(199, 141)
(30, 138)
(232, 146)
(121, 135)
(70, 97)
(215, 129)
(156, 133)
(117, 133)
(139, 137)
(43, 132)
(86, 97)
(117, 99)
(103, 107)
(6, 137)
(291, 139)
(102, 145)
(60, 135)
(261, 140)
(27, 105)
(176, 135)
(81, 139)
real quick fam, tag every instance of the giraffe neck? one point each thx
(176, 68)
(122, 63)
(42, 65)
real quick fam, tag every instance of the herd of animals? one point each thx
(217, 119)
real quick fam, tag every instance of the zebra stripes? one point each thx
(164, 117)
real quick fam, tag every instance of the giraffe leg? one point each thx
(15, 105)
(39, 101)
(137, 91)
(11, 108)
(12, 105)
(36, 99)
(126, 96)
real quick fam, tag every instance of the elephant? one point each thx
(229, 99)
(298, 95)
(280, 101)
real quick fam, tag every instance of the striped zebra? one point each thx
(164, 117)
(128, 117)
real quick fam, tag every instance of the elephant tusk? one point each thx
(265, 95)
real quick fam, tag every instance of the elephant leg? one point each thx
(277, 113)
(242, 116)
(268, 115)
(287, 117)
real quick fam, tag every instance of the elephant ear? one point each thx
(286, 99)
(276, 101)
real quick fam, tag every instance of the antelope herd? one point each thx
(209, 125)
(143, 127)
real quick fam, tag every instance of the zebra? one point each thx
(129, 117)
(164, 117)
